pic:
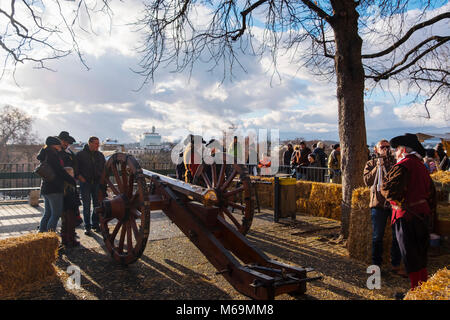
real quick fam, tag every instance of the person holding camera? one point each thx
(52, 189)
(375, 172)
(334, 164)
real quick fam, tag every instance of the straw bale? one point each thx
(442, 177)
(359, 242)
(26, 259)
(435, 288)
(330, 192)
(303, 189)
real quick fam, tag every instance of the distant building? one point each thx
(111, 145)
(151, 138)
(151, 143)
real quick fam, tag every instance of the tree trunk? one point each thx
(350, 94)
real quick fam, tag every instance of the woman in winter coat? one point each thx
(53, 191)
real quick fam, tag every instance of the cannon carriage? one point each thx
(215, 215)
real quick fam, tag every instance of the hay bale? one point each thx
(303, 189)
(319, 199)
(26, 259)
(441, 177)
(330, 192)
(359, 242)
(435, 288)
(319, 208)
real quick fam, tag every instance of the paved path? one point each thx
(19, 219)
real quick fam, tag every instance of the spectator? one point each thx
(411, 192)
(295, 162)
(53, 191)
(313, 174)
(71, 212)
(302, 160)
(251, 156)
(264, 165)
(321, 155)
(430, 160)
(334, 164)
(193, 156)
(235, 150)
(287, 155)
(375, 172)
(444, 162)
(180, 168)
(91, 164)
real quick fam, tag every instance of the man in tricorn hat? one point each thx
(411, 192)
(71, 216)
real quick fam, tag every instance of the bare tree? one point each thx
(324, 36)
(327, 36)
(15, 128)
(27, 36)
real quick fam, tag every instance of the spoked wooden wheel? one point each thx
(232, 186)
(125, 214)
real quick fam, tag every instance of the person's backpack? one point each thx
(45, 171)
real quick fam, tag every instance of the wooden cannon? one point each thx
(203, 213)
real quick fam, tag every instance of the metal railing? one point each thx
(161, 168)
(17, 180)
(316, 174)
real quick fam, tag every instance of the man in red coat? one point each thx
(411, 192)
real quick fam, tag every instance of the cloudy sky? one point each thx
(103, 100)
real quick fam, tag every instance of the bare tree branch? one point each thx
(408, 34)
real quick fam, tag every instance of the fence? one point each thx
(17, 180)
(316, 174)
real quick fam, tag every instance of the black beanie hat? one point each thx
(52, 141)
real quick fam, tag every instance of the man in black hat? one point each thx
(71, 217)
(411, 192)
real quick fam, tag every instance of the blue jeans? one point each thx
(89, 192)
(54, 205)
(379, 219)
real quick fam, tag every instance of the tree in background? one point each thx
(15, 128)
(326, 36)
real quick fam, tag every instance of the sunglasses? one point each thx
(385, 147)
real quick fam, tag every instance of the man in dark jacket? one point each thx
(411, 192)
(91, 163)
(287, 155)
(374, 173)
(321, 155)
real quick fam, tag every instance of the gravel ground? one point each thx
(172, 268)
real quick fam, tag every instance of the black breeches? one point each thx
(413, 239)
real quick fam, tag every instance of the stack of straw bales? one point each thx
(25, 260)
(435, 288)
(359, 242)
(319, 199)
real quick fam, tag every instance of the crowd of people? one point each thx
(61, 198)
(313, 165)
